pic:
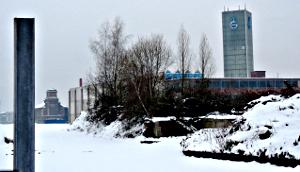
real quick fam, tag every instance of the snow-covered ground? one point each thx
(60, 150)
(86, 147)
(115, 129)
(271, 126)
(218, 115)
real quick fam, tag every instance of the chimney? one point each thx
(80, 82)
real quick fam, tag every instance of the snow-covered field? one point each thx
(60, 150)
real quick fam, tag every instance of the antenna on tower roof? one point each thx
(245, 6)
(239, 7)
(224, 8)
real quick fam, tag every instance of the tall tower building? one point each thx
(237, 43)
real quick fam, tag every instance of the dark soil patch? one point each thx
(279, 160)
(149, 141)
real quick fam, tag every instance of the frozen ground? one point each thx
(59, 150)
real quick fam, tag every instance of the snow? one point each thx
(115, 129)
(273, 98)
(158, 119)
(60, 150)
(204, 140)
(275, 114)
(217, 115)
(213, 115)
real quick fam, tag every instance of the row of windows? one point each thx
(236, 42)
(234, 56)
(235, 68)
(236, 46)
(228, 37)
(251, 84)
(235, 50)
(241, 84)
(234, 62)
(240, 35)
(236, 74)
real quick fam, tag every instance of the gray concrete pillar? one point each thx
(24, 91)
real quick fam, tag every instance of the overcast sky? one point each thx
(64, 28)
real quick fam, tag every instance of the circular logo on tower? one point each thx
(233, 23)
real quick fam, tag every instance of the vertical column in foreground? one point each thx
(24, 92)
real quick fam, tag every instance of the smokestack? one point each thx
(80, 82)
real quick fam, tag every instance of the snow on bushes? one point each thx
(113, 130)
(269, 128)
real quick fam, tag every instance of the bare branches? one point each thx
(207, 66)
(132, 75)
(184, 54)
(147, 59)
(109, 50)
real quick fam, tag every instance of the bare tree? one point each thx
(109, 50)
(148, 58)
(207, 65)
(184, 54)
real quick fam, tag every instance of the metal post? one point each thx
(24, 92)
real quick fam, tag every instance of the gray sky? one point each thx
(64, 28)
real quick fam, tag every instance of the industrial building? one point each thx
(80, 98)
(51, 110)
(237, 43)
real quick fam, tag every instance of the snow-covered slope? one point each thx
(115, 129)
(270, 127)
